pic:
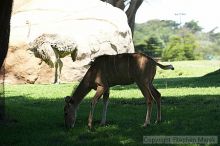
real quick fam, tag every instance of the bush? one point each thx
(180, 48)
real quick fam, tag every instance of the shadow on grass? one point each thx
(40, 121)
(192, 82)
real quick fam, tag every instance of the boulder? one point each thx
(97, 27)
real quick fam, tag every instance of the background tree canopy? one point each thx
(129, 6)
(169, 41)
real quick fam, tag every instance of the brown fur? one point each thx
(110, 70)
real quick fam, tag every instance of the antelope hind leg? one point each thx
(157, 98)
(105, 106)
(147, 94)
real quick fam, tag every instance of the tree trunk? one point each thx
(5, 16)
(116, 3)
(2, 95)
(131, 11)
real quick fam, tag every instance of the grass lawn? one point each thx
(190, 106)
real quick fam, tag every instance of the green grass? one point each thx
(190, 106)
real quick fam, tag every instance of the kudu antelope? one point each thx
(110, 70)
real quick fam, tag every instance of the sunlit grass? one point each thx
(190, 106)
(189, 69)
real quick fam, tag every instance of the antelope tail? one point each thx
(166, 67)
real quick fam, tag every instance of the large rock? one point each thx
(97, 27)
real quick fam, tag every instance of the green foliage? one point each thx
(193, 26)
(214, 47)
(35, 112)
(151, 37)
(187, 42)
(180, 47)
(155, 45)
(174, 50)
(152, 47)
(159, 28)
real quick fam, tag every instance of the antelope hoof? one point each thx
(146, 125)
(90, 126)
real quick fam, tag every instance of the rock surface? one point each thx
(97, 27)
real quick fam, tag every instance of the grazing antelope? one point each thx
(110, 70)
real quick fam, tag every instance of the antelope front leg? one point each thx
(105, 106)
(56, 74)
(99, 93)
(60, 66)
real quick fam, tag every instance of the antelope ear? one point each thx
(67, 99)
